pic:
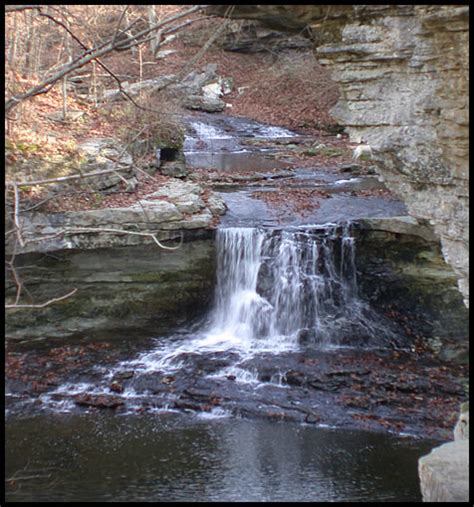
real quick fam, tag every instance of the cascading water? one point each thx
(276, 289)
(277, 292)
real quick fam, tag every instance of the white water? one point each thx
(216, 137)
(273, 287)
(276, 292)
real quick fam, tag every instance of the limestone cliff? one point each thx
(403, 74)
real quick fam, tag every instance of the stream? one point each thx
(283, 390)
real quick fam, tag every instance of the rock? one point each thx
(184, 195)
(102, 154)
(207, 104)
(419, 285)
(118, 289)
(70, 116)
(312, 419)
(99, 401)
(116, 387)
(177, 206)
(164, 53)
(195, 80)
(252, 37)
(444, 473)
(403, 73)
(406, 225)
(174, 168)
(216, 205)
(135, 89)
(461, 430)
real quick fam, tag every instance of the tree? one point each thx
(120, 40)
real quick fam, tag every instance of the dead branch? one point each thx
(61, 178)
(16, 210)
(117, 30)
(43, 305)
(17, 8)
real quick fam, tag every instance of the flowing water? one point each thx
(277, 291)
(281, 294)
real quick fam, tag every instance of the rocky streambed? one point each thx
(199, 330)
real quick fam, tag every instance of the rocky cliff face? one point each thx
(403, 74)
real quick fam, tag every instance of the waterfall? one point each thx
(278, 289)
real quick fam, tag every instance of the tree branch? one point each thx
(17, 8)
(42, 305)
(87, 57)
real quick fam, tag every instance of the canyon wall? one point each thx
(403, 75)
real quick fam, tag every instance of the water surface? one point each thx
(175, 457)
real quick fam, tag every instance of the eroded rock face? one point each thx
(178, 206)
(119, 289)
(403, 73)
(402, 273)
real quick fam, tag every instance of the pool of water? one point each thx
(100, 456)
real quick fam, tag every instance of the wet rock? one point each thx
(420, 292)
(123, 375)
(295, 378)
(116, 387)
(312, 419)
(140, 287)
(99, 401)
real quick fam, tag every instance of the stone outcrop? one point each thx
(140, 288)
(104, 154)
(417, 284)
(251, 37)
(178, 206)
(199, 90)
(444, 472)
(403, 74)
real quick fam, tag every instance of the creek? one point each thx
(282, 389)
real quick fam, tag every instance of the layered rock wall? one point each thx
(403, 75)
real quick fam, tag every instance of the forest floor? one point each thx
(286, 88)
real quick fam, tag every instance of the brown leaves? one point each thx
(301, 201)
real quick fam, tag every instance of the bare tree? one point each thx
(120, 40)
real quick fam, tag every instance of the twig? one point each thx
(78, 230)
(85, 58)
(62, 178)
(15, 214)
(42, 305)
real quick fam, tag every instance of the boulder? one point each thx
(101, 154)
(207, 104)
(444, 473)
(134, 89)
(195, 80)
